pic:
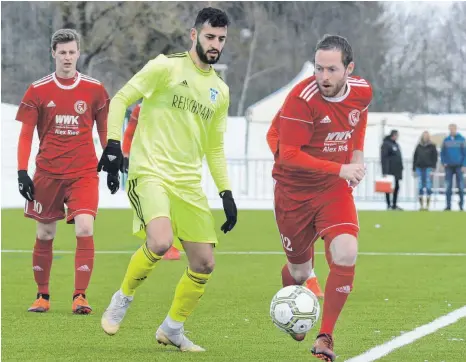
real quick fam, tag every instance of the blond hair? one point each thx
(64, 36)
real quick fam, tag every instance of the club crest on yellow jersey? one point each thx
(213, 95)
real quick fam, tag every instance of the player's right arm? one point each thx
(272, 134)
(28, 115)
(153, 76)
(296, 130)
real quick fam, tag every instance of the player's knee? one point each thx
(159, 235)
(344, 249)
(203, 266)
(46, 231)
(300, 272)
(159, 245)
(84, 225)
(84, 230)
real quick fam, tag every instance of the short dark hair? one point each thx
(330, 42)
(393, 132)
(215, 17)
(64, 36)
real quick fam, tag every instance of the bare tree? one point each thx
(413, 63)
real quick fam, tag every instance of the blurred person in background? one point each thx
(424, 162)
(392, 164)
(453, 158)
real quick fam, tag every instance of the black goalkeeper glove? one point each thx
(113, 182)
(25, 185)
(112, 158)
(125, 165)
(231, 212)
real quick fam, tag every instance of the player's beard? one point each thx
(202, 54)
(333, 90)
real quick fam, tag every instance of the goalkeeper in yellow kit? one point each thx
(182, 119)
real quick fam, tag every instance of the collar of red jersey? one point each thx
(62, 86)
(341, 98)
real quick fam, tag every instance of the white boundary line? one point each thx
(245, 253)
(382, 350)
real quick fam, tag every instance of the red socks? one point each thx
(339, 285)
(42, 263)
(287, 279)
(83, 263)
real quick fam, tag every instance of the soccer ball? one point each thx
(295, 309)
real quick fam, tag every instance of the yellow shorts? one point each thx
(187, 208)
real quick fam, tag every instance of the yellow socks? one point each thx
(189, 290)
(142, 263)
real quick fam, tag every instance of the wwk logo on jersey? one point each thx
(66, 125)
(66, 119)
(337, 141)
(338, 136)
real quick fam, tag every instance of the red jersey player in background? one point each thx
(319, 159)
(172, 253)
(63, 106)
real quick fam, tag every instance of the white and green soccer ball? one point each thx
(295, 309)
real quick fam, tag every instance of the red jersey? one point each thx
(130, 128)
(135, 114)
(326, 128)
(64, 111)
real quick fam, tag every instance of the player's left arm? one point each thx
(101, 115)
(215, 155)
(360, 134)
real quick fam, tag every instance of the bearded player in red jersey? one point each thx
(63, 106)
(172, 253)
(319, 159)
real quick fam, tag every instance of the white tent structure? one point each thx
(259, 115)
(265, 109)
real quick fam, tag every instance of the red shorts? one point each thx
(302, 219)
(81, 196)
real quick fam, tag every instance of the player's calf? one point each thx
(343, 248)
(83, 261)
